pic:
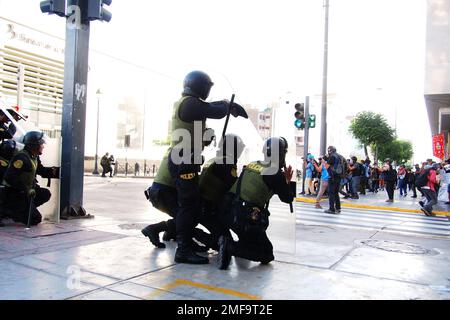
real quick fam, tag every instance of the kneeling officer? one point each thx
(245, 208)
(20, 181)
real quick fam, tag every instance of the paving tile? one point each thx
(23, 283)
(104, 294)
(121, 259)
(145, 292)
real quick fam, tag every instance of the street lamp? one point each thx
(98, 94)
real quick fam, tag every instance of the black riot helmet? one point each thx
(8, 149)
(231, 146)
(275, 149)
(197, 84)
(33, 139)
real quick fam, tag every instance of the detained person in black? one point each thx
(188, 126)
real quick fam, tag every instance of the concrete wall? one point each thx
(437, 73)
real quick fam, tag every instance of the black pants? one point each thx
(188, 201)
(18, 205)
(431, 199)
(106, 170)
(253, 243)
(375, 185)
(390, 187)
(333, 193)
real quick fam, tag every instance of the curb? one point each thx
(363, 206)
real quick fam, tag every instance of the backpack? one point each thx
(422, 179)
(103, 161)
(342, 166)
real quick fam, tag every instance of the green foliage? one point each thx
(400, 151)
(371, 128)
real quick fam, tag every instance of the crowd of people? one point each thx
(430, 179)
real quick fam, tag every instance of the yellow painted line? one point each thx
(363, 206)
(183, 282)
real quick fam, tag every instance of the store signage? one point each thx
(438, 146)
(15, 35)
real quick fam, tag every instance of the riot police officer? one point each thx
(8, 149)
(245, 208)
(20, 181)
(217, 177)
(188, 125)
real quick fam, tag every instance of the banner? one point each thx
(438, 146)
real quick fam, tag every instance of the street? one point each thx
(360, 254)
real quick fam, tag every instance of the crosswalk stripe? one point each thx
(391, 221)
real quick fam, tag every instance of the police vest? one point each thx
(253, 187)
(163, 175)
(3, 166)
(177, 124)
(25, 178)
(211, 187)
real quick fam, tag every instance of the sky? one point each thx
(261, 49)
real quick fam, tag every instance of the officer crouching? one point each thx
(245, 209)
(20, 192)
(8, 149)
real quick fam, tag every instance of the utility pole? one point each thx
(323, 125)
(305, 142)
(20, 85)
(78, 14)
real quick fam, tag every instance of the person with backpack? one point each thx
(390, 179)
(337, 169)
(427, 181)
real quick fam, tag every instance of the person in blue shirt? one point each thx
(324, 177)
(309, 185)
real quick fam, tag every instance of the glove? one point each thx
(31, 193)
(238, 111)
(56, 172)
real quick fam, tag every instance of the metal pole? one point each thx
(74, 117)
(20, 84)
(96, 140)
(323, 126)
(305, 142)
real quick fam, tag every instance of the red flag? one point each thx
(438, 146)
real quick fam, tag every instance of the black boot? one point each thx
(152, 232)
(170, 234)
(185, 254)
(224, 256)
(167, 236)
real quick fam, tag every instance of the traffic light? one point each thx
(57, 7)
(312, 121)
(97, 12)
(299, 116)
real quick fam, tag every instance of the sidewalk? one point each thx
(378, 201)
(108, 258)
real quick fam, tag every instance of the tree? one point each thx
(371, 129)
(400, 151)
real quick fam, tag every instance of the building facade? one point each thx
(437, 69)
(134, 106)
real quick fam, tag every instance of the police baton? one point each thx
(228, 116)
(30, 210)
